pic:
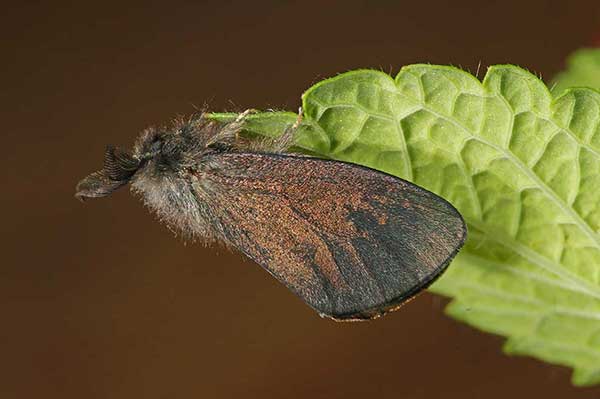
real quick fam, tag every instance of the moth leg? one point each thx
(286, 140)
(229, 134)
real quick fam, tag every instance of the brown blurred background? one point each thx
(101, 301)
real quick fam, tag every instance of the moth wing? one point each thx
(352, 242)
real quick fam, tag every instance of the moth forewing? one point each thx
(352, 242)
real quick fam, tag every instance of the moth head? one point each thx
(154, 153)
(157, 154)
(119, 167)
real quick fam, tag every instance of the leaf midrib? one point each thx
(560, 283)
(557, 309)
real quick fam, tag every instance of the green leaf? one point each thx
(522, 168)
(583, 70)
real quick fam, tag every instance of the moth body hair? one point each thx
(166, 169)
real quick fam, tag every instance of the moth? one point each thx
(351, 242)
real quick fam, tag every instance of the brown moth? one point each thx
(352, 242)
